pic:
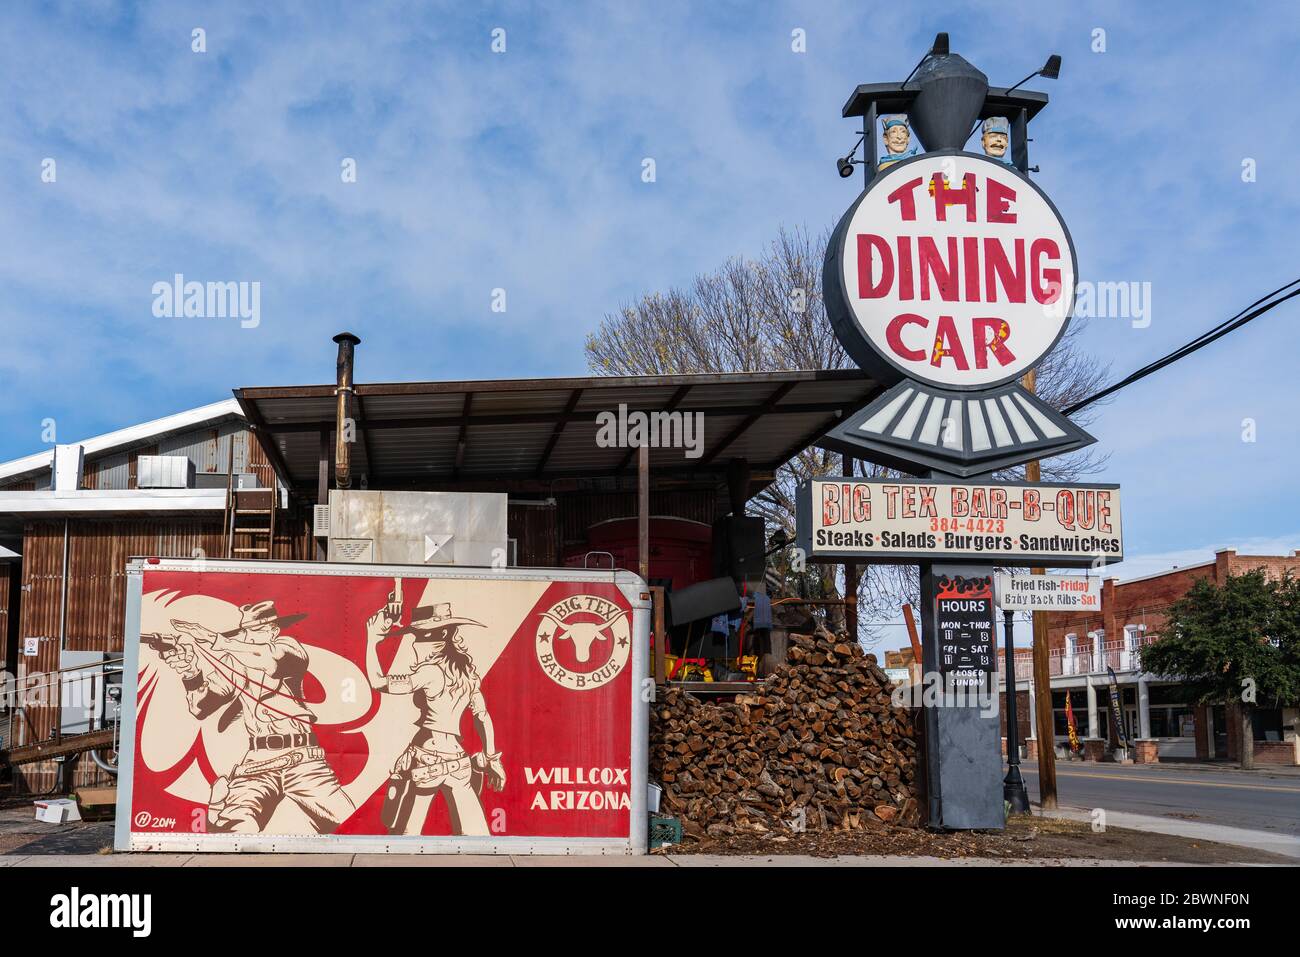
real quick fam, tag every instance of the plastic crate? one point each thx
(665, 830)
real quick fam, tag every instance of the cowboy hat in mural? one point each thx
(435, 617)
(260, 614)
(252, 617)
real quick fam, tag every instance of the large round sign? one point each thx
(951, 269)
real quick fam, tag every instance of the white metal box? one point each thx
(164, 471)
(418, 528)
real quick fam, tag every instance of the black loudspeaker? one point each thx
(702, 600)
(738, 542)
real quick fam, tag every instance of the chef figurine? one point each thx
(898, 137)
(997, 139)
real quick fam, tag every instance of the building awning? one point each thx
(88, 502)
(497, 432)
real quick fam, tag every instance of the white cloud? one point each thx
(522, 171)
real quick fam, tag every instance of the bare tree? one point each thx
(767, 315)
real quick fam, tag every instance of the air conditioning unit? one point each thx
(320, 521)
(164, 471)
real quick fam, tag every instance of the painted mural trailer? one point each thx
(310, 706)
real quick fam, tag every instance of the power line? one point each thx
(1253, 311)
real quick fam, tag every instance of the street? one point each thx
(1253, 800)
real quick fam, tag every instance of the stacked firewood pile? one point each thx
(819, 746)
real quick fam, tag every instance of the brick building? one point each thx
(1155, 711)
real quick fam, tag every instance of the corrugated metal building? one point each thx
(63, 551)
(71, 517)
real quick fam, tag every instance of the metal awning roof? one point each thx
(412, 433)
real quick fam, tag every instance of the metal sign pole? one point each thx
(959, 697)
(1013, 785)
(954, 411)
(929, 713)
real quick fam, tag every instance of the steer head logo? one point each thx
(581, 621)
(584, 633)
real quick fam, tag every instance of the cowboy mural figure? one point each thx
(256, 672)
(443, 684)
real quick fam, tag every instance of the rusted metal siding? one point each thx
(41, 599)
(41, 603)
(258, 463)
(8, 574)
(98, 553)
(98, 550)
(210, 449)
(112, 472)
(40, 777)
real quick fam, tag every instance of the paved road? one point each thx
(1235, 798)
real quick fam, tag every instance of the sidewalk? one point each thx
(1283, 844)
(467, 860)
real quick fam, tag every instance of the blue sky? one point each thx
(522, 171)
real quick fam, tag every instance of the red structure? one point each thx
(680, 549)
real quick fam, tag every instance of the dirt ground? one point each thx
(20, 832)
(1025, 837)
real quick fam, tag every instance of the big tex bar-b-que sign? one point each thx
(909, 521)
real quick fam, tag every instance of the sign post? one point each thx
(1013, 785)
(948, 280)
(957, 618)
(1036, 593)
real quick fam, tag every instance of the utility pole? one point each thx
(850, 577)
(643, 511)
(1044, 720)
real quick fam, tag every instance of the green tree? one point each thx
(1236, 642)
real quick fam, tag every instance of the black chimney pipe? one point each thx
(343, 390)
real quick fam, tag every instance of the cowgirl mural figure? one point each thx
(442, 683)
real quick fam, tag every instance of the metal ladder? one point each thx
(250, 512)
